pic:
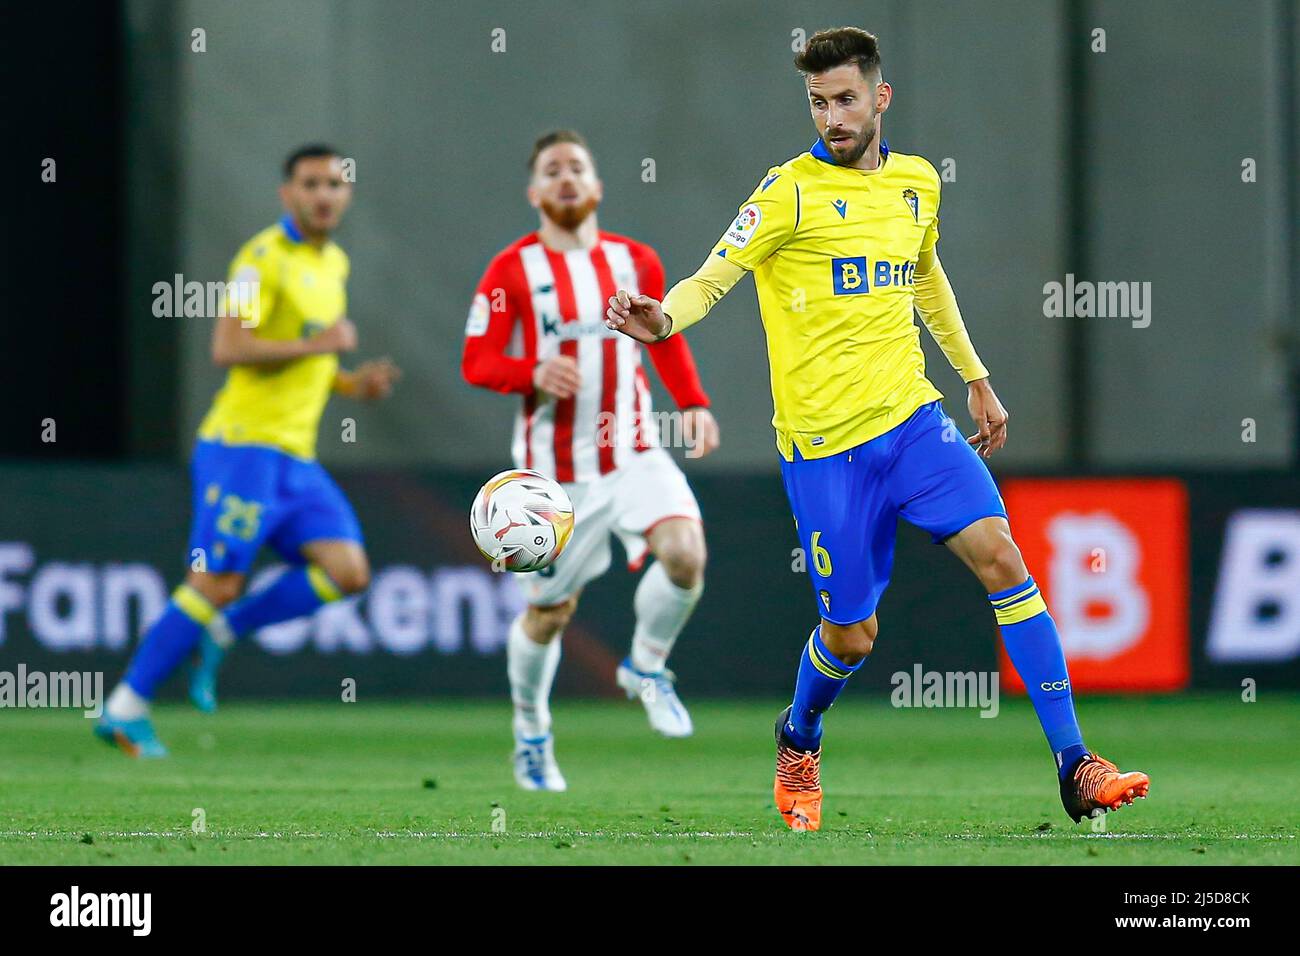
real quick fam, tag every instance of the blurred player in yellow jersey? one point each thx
(841, 241)
(254, 472)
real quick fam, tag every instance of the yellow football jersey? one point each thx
(833, 251)
(301, 290)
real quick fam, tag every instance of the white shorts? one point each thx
(627, 502)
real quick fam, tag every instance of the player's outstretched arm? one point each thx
(648, 320)
(774, 204)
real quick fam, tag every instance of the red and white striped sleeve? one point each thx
(490, 326)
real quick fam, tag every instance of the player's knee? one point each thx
(851, 642)
(352, 578)
(218, 589)
(684, 564)
(683, 557)
(350, 572)
(870, 628)
(863, 639)
(548, 620)
(1002, 566)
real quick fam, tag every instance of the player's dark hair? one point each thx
(547, 140)
(310, 151)
(828, 49)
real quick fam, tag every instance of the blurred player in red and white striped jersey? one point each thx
(536, 329)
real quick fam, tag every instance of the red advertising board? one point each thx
(1111, 558)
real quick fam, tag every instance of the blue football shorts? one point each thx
(846, 506)
(249, 495)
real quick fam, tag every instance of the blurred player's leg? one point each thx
(665, 598)
(297, 592)
(533, 646)
(235, 508)
(532, 658)
(320, 537)
(217, 639)
(657, 514)
(168, 642)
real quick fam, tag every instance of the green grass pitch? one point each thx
(429, 782)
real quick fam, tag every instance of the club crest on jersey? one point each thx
(841, 206)
(913, 203)
(826, 600)
(742, 230)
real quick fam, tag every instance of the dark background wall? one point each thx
(1122, 165)
(62, 237)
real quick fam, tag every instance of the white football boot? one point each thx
(535, 766)
(662, 705)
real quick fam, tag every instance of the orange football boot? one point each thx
(798, 788)
(1096, 786)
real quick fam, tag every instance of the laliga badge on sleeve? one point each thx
(742, 230)
(477, 323)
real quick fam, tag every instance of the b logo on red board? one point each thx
(1110, 557)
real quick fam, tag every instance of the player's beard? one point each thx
(567, 216)
(313, 226)
(861, 143)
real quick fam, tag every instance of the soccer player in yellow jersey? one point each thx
(254, 474)
(841, 242)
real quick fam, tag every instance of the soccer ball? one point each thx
(521, 520)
